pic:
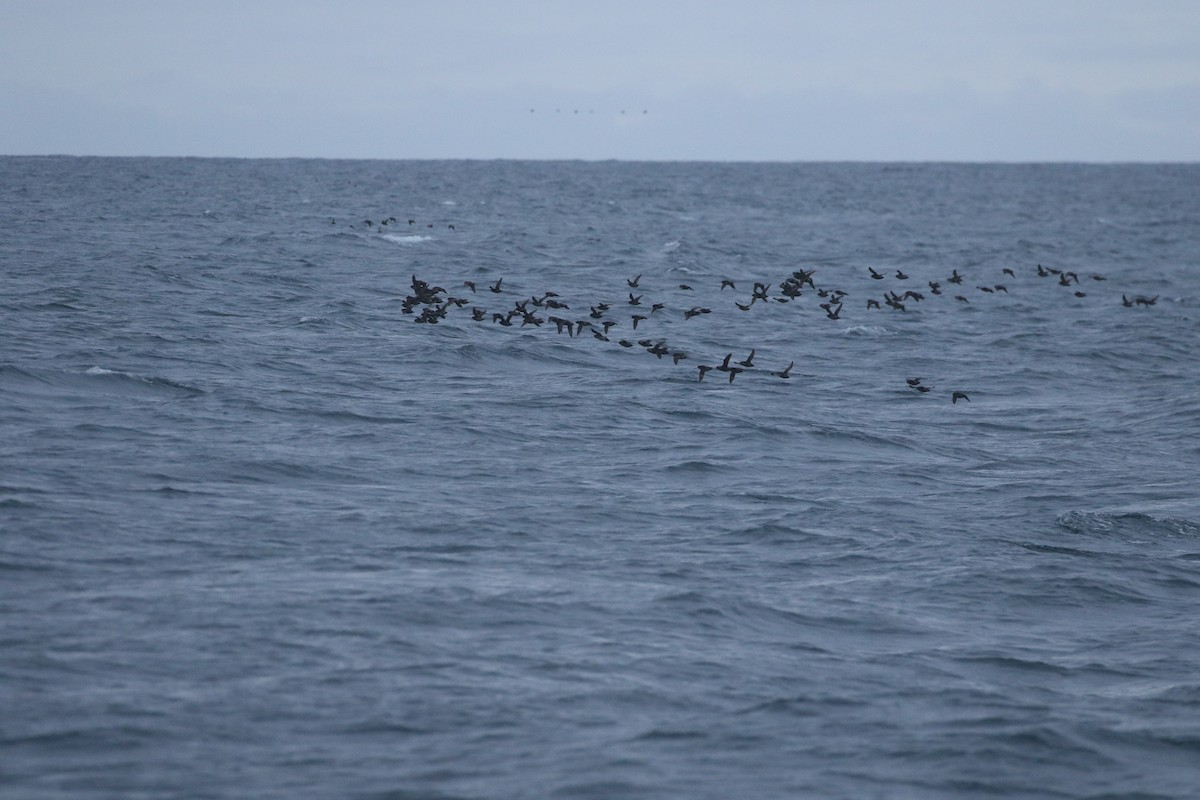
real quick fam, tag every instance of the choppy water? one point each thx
(262, 535)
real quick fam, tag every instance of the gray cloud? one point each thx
(1014, 80)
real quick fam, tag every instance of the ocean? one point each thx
(313, 485)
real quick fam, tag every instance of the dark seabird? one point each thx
(470, 285)
(600, 336)
(749, 360)
(876, 275)
(625, 343)
(726, 282)
(1099, 278)
(987, 289)
(955, 277)
(635, 301)
(837, 313)
(678, 356)
(657, 307)
(724, 366)
(703, 369)
(1000, 287)
(696, 311)
(686, 288)
(1081, 294)
(785, 373)
(1042, 271)
(913, 381)
(633, 282)
(742, 307)
(1008, 271)
(608, 323)
(496, 286)
(636, 319)
(1125, 301)
(960, 298)
(901, 276)
(733, 372)
(872, 303)
(954, 398)
(935, 287)
(478, 314)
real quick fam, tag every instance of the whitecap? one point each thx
(867, 330)
(407, 239)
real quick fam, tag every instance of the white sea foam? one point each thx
(406, 239)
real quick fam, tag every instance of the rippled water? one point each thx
(262, 535)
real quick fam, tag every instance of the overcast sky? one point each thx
(792, 80)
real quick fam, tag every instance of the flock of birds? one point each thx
(431, 304)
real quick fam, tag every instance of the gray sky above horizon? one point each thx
(921, 80)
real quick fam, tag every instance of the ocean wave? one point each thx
(414, 238)
(129, 382)
(1132, 526)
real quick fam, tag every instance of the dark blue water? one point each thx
(264, 535)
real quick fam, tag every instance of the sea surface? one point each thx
(280, 520)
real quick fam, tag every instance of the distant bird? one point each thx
(470, 285)
(748, 361)
(495, 287)
(785, 373)
(872, 303)
(956, 396)
(901, 276)
(1008, 271)
(703, 370)
(678, 356)
(726, 282)
(685, 287)
(955, 277)
(876, 275)
(636, 319)
(633, 282)
(635, 301)
(733, 372)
